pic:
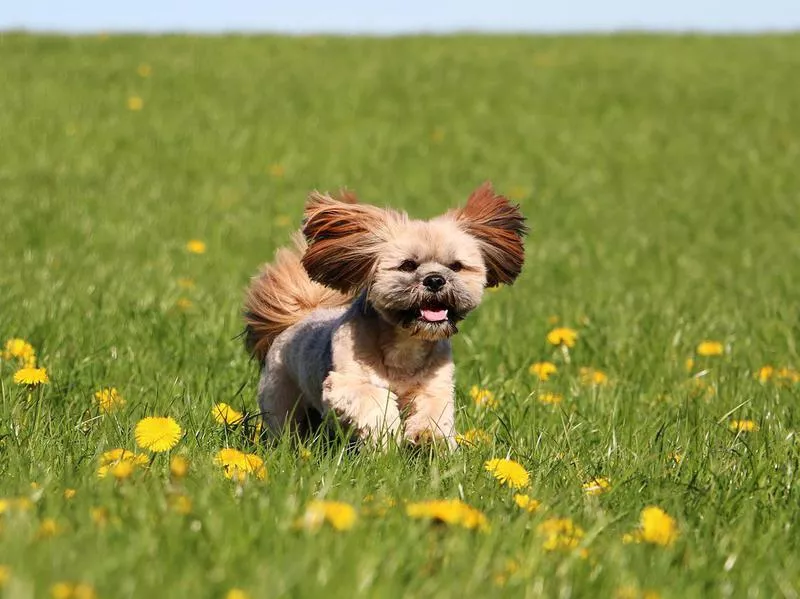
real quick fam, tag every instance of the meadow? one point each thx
(144, 179)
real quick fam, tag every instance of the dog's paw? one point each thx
(429, 436)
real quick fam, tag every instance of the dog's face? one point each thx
(427, 277)
(420, 276)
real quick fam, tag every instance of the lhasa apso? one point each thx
(356, 319)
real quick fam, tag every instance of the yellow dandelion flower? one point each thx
(592, 377)
(560, 534)
(228, 456)
(744, 426)
(84, 591)
(550, 398)
(18, 504)
(185, 283)
(99, 516)
(184, 304)
(48, 528)
(17, 348)
(31, 376)
(788, 376)
(473, 437)
(340, 515)
(62, 590)
(236, 594)
(562, 336)
(224, 414)
(510, 568)
(710, 348)
(253, 464)
(448, 511)
(596, 486)
(255, 431)
(195, 246)
(109, 400)
(676, 457)
(157, 433)
(304, 453)
(559, 526)
(180, 504)
(122, 469)
(543, 370)
(178, 466)
(115, 455)
(237, 465)
(689, 364)
(508, 472)
(377, 507)
(700, 388)
(553, 320)
(632, 537)
(276, 170)
(135, 103)
(69, 493)
(657, 527)
(71, 590)
(21, 350)
(527, 503)
(144, 70)
(482, 397)
(765, 373)
(102, 471)
(5, 575)
(631, 592)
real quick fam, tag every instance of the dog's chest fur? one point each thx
(390, 359)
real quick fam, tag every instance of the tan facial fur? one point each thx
(415, 252)
(382, 364)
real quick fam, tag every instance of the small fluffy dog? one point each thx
(356, 319)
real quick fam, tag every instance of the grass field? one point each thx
(660, 178)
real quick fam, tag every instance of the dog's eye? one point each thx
(456, 266)
(408, 266)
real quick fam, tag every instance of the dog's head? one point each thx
(421, 276)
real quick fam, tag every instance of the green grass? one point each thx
(660, 178)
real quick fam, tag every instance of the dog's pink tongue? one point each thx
(434, 315)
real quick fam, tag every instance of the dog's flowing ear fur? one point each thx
(499, 228)
(342, 240)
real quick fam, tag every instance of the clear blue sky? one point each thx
(382, 17)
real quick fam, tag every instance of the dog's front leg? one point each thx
(432, 411)
(371, 410)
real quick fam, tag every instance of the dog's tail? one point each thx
(281, 295)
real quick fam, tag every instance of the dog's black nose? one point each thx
(434, 282)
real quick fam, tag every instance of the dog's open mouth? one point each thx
(433, 312)
(431, 319)
(430, 314)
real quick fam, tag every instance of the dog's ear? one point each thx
(499, 228)
(346, 196)
(342, 240)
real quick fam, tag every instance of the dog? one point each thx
(355, 321)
